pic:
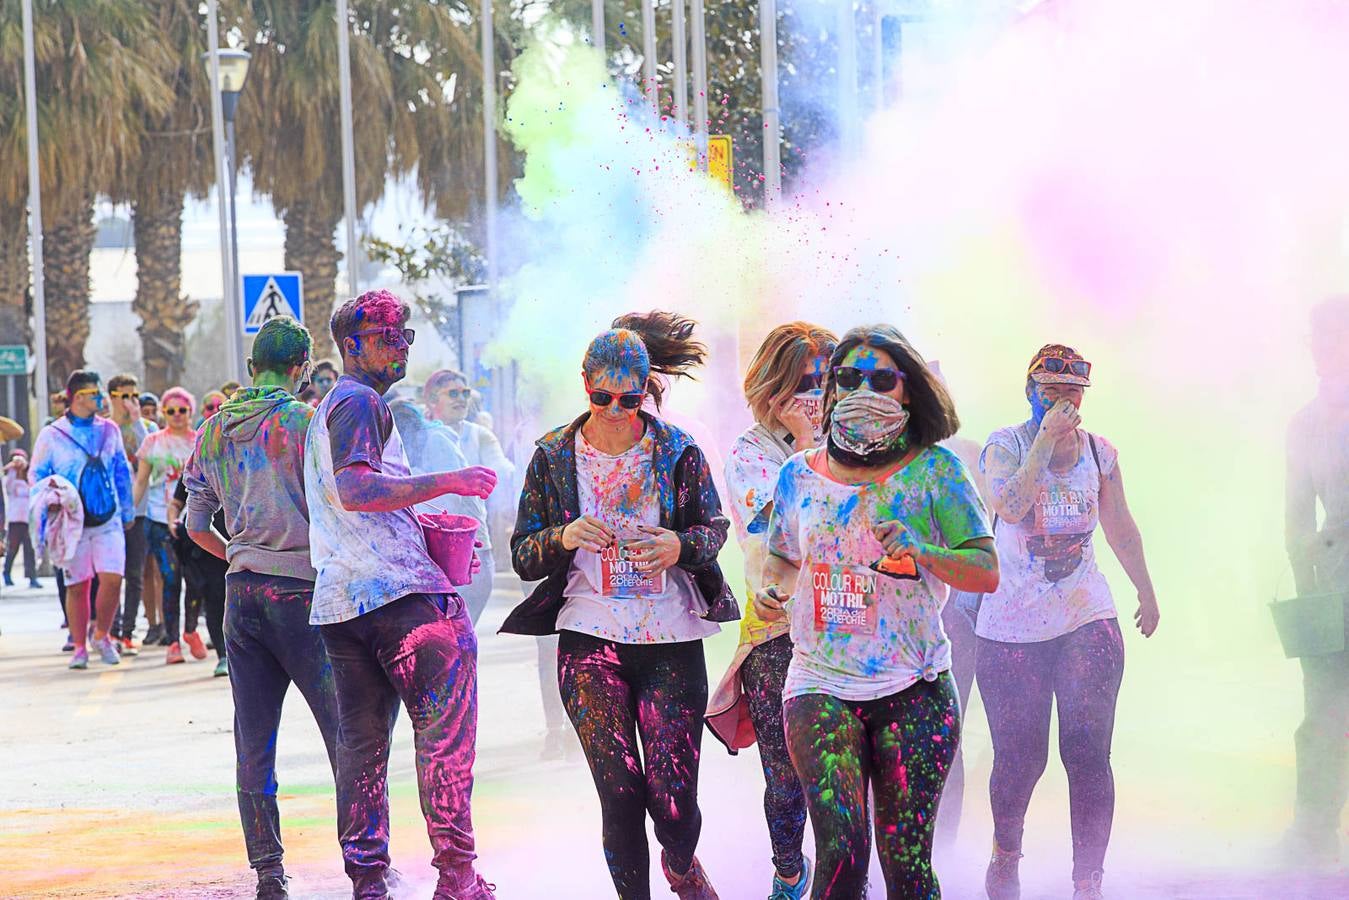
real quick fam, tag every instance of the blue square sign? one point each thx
(268, 296)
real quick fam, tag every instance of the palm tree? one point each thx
(173, 158)
(411, 63)
(98, 64)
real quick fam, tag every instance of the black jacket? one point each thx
(688, 505)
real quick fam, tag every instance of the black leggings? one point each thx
(901, 746)
(761, 678)
(616, 696)
(204, 577)
(1019, 683)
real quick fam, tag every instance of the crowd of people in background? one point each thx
(167, 585)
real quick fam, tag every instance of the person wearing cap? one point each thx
(1050, 632)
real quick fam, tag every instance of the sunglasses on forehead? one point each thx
(627, 401)
(1057, 366)
(850, 378)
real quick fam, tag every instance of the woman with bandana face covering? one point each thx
(784, 390)
(1049, 632)
(865, 537)
(620, 521)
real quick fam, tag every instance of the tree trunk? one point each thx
(66, 248)
(164, 312)
(311, 248)
(14, 327)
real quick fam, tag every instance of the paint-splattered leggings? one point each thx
(1019, 683)
(419, 649)
(638, 711)
(160, 544)
(271, 644)
(901, 746)
(761, 678)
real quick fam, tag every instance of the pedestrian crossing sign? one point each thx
(268, 296)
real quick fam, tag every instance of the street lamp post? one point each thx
(228, 68)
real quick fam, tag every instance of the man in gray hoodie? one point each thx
(250, 460)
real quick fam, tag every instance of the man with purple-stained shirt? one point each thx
(393, 626)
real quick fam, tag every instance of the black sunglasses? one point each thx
(809, 382)
(850, 378)
(627, 401)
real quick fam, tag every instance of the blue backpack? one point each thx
(97, 494)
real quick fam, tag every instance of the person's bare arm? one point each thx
(779, 574)
(1121, 532)
(209, 541)
(1300, 517)
(1011, 485)
(142, 482)
(363, 489)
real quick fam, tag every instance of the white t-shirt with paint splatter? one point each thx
(1049, 583)
(864, 626)
(606, 597)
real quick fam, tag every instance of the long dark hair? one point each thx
(657, 345)
(932, 413)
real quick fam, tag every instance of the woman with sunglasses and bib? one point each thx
(620, 521)
(163, 457)
(784, 390)
(1049, 633)
(866, 535)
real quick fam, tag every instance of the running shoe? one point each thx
(193, 641)
(1002, 881)
(80, 660)
(175, 654)
(692, 885)
(480, 889)
(1090, 889)
(128, 647)
(69, 644)
(784, 891)
(222, 669)
(152, 635)
(107, 651)
(9, 582)
(273, 887)
(35, 584)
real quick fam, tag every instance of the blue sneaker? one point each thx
(784, 891)
(108, 653)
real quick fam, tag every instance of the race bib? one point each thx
(618, 576)
(1060, 509)
(844, 598)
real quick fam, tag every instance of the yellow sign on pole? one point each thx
(720, 160)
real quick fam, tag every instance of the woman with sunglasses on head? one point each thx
(783, 387)
(160, 462)
(620, 521)
(1049, 633)
(866, 536)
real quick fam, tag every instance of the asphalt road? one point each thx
(118, 782)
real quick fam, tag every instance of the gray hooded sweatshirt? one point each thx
(250, 460)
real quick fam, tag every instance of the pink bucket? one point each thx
(449, 541)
